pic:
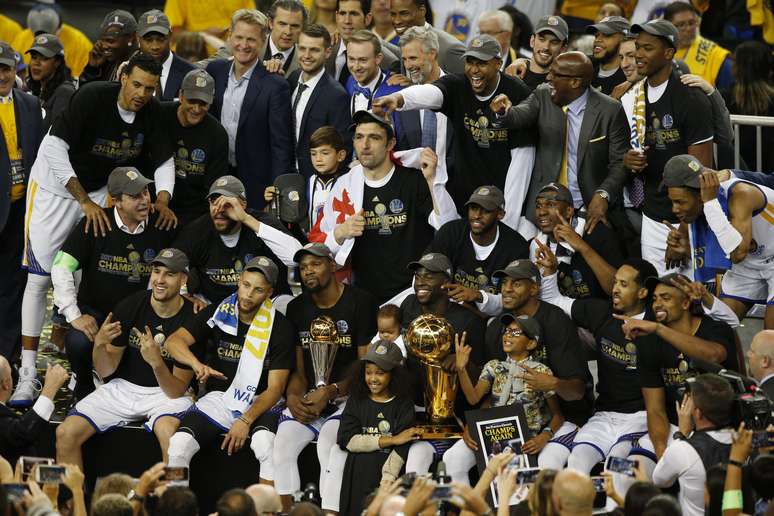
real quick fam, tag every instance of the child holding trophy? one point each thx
(376, 426)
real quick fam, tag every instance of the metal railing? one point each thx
(759, 122)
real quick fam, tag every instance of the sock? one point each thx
(29, 358)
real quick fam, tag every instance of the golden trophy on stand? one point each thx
(429, 338)
(323, 344)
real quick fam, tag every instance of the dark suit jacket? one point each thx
(180, 67)
(264, 140)
(603, 140)
(29, 127)
(328, 105)
(289, 66)
(410, 136)
(19, 433)
(768, 388)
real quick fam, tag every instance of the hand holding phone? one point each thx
(620, 465)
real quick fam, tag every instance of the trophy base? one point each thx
(432, 432)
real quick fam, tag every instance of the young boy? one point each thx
(388, 323)
(328, 154)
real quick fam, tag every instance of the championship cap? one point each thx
(553, 24)
(313, 248)
(229, 186)
(43, 20)
(118, 23)
(47, 45)
(153, 21)
(7, 55)
(364, 116)
(265, 266)
(562, 193)
(434, 262)
(198, 85)
(173, 259)
(653, 281)
(520, 269)
(488, 197)
(483, 47)
(528, 325)
(682, 170)
(126, 180)
(385, 354)
(610, 25)
(661, 28)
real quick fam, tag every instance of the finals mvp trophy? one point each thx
(323, 344)
(429, 338)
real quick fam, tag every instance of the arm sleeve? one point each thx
(549, 292)
(728, 236)
(164, 177)
(422, 96)
(392, 466)
(446, 207)
(362, 443)
(55, 150)
(281, 244)
(720, 311)
(350, 424)
(65, 291)
(43, 407)
(491, 304)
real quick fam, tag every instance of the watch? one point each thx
(679, 436)
(603, 194)
(133, 496)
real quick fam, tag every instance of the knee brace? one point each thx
(420, 457)
(34, 304)
(262, 444)
(182, 448)
(459, 459)
(553, 456)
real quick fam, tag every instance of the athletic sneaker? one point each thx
(27, 391)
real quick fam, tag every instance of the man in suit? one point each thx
(411, 13)
(760, 356)
(582, 135)
(20, 135)
(499, 25)
(254, 107)
(352, 16)
(286, 19)
(19, 433)
(154, 34)
(317, 99)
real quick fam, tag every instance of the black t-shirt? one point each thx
(681, 117)
(606, 84)
(136, 312)
(618, 386)
(201, 157)
(533, 79)
(100, 140)
(661, 365)
(215, 267)
(396, 233)
(355, 316)
(482, 156)
(453, 240)
(116, 265)
(561, 351)
(576, 279)
(222, 351)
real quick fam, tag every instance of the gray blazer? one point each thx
(603, 140)
(288, 67)
(450, 51)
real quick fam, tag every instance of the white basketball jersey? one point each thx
(762, 250)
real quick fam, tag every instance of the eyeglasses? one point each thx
(512, 332)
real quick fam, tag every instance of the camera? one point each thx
(309, 494)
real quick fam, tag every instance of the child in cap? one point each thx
(376, 426)
(504, 380)
(388, 325)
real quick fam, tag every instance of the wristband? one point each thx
(732, 500)
(736, 463)
(548, 431)
(244, 420)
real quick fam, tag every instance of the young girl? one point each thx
(376, 424)
(503, 379)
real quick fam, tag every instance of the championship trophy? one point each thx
(323, 344)
(429, 338)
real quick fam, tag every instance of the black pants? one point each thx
(204, 430)
(12, 281)
(79, 348)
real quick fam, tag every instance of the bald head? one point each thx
(265, 498)
(573, 493)
(761, 354)
(6, 380)
(576, 64)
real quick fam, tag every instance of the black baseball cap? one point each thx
(230, 186)
(682, 170)
(47, 45)
(434, 262)
(313, 248)
(126, 180)
(529, 325)
(265, 266)
(483, 47)
(153, 21)
(488, 197)
(173, 259)
(198, 85)
(118, 23)
(653, 281)
(553, 24)
(610, 25)
(385, 354)
(520, 269)
(661, 28)
(364, 117)
(562, 193)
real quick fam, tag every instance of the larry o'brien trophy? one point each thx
(429, 338)
(323, 344)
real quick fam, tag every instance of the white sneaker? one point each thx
(27, 391)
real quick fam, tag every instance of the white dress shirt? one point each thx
(166, 66)
(341, 59)
(359, 101)
(305, 96)
(575, 111)
(285, 53)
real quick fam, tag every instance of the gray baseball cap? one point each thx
(153, 21)
(661, 28)
(198, 85)
(520, 269)
(682, 170)
(118, 23)
(610, 25)
(229, 186)
(561, 192)
(43, 20)
(265, 266)
(173, 259)
(385, 354)
(47, 45)
(434, 262)
(553, 24)
(528, 325)
(313, 248)
(7, 55)
(126, 180)
(364, 116)
(488, 197)
(483, 47)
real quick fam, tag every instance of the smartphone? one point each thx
(15, 492)
(178, 474)
(620, 465)
(28, 463)
(527, 475)
(599, 484)
(600, 498)
(442, 493)
(762, 439)
(49, 474)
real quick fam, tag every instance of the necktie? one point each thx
(280, 56)
(429, 128)
(361, 90)
(157, 92)
(301, 88)
(637, 190)
(344, 75)
(562, 180)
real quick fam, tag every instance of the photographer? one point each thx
(704, 439)
(758, 476)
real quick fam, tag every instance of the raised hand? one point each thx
(462, 351)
